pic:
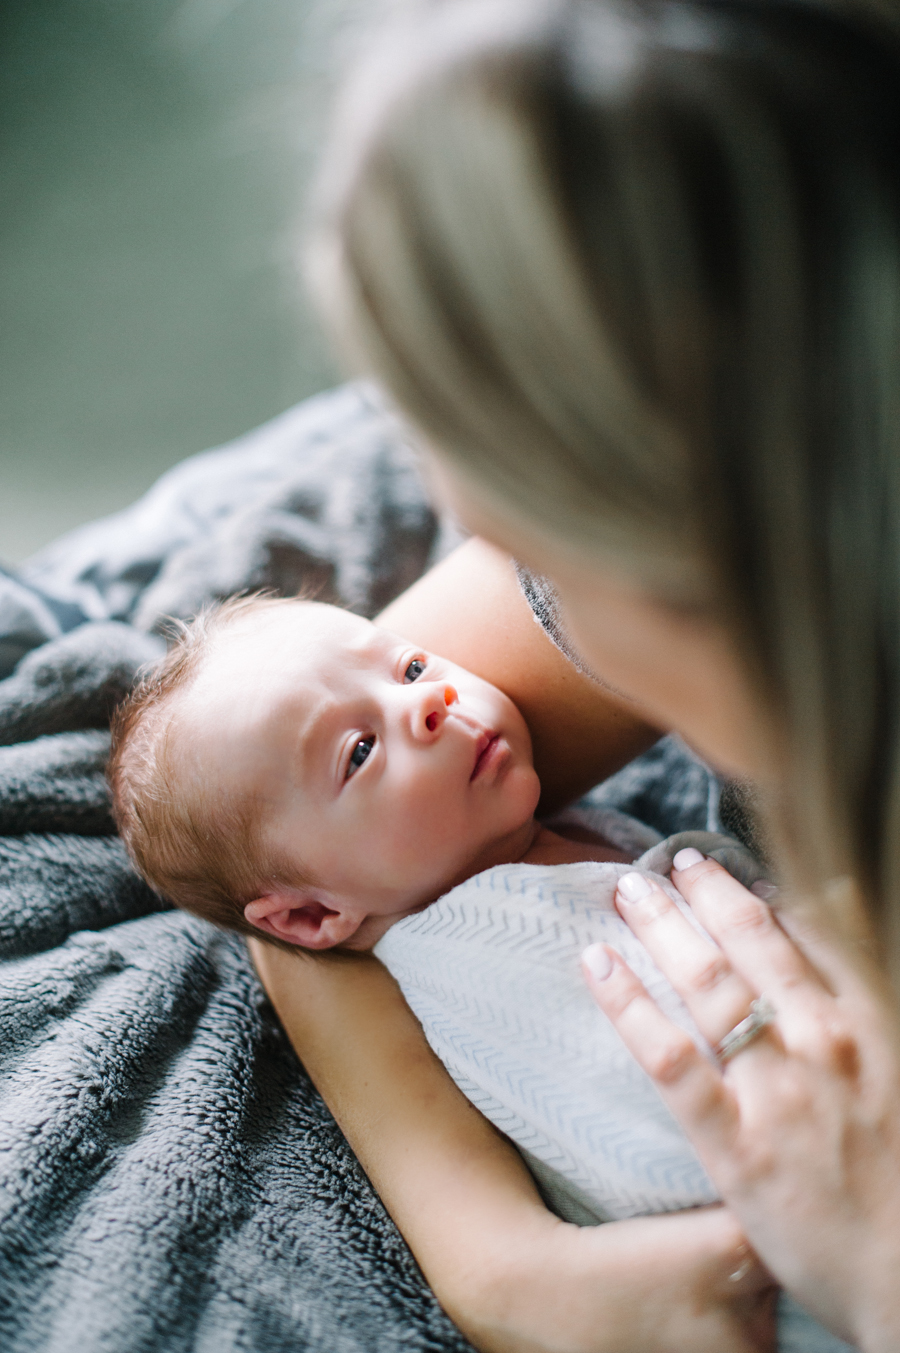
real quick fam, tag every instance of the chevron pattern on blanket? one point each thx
(492, 973)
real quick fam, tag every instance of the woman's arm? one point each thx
(511, 1275)
(470, 609)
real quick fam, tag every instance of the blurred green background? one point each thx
(154, 162)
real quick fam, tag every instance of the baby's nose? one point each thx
(450, 698)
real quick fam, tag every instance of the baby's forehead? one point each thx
(299, 635)
(281, 665)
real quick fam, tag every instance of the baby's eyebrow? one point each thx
(315, 736)
(374, 648)
(375, 643)
(320, 726)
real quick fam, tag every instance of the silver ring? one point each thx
(762, 1013)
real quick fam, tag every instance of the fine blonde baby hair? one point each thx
(193, 845)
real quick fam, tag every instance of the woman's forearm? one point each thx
(457, 1190)
(470, 609)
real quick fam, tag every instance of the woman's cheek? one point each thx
(681, 672)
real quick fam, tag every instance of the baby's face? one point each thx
(387, 773)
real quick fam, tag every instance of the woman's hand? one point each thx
(687, 1282)
(801, 1129)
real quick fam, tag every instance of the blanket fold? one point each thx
(56, 783)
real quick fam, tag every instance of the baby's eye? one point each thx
(414, 670)
(359, 754)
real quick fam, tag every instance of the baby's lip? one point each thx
(482, 749)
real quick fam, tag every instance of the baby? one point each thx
(292, 770)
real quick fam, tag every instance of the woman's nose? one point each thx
(441, 700)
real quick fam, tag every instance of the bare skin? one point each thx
(509, 1273)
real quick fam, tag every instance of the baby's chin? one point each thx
(507, 846)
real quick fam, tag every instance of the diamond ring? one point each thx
(762, 1013)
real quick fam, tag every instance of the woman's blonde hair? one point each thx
(634, 268)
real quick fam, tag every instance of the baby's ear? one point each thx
(300, 920)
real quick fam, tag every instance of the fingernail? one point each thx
(688, 857)
(765, 891)
(450, 696)
(634, 886)
(598, 962)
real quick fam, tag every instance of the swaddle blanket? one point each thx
(510, 1018)
(492, 973)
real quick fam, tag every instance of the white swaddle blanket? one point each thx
(492, 972)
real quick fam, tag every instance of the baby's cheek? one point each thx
(436, 825)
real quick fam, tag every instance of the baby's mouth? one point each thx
(484, 750)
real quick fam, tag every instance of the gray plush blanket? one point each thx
(170, 1178)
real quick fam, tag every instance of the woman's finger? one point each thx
(749, 935)
(693, 1088)
(717, 996)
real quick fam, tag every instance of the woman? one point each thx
(634, 271)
